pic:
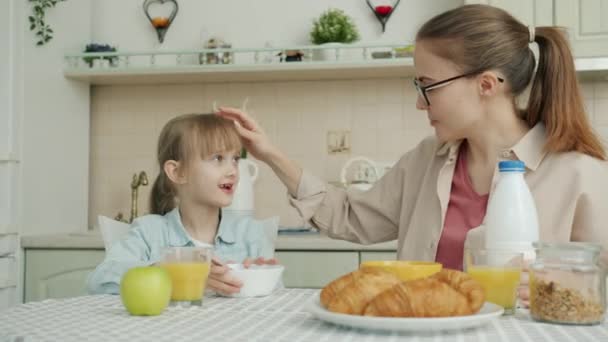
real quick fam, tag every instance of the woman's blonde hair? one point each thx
(482, 37)
(186, 138)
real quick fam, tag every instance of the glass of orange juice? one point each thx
(189, 268)
(499, 274)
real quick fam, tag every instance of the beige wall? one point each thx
(381, 115)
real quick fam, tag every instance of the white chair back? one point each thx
(111, 230)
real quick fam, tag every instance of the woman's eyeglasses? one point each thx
(422, 90)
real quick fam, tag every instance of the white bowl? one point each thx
(258, 280)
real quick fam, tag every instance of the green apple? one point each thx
(145, 291)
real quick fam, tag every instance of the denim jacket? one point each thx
(238, 237)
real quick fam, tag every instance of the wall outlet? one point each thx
(338, 142)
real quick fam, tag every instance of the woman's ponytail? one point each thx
(556, 100)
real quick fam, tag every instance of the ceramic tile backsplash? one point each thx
(380, 114)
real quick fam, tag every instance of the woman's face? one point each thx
(454, 107)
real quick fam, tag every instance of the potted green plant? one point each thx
(333, 28)
(111, 60)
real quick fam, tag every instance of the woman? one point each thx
(472, 64)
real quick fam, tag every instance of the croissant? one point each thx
(333, 288)
(446, 293)
(351, 293)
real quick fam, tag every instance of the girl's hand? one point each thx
(255, 140)
(220, 281)
(259, 261)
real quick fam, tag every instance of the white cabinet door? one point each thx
(8, 271)
(8, 297)
(8, 197)
(5, 79)
(314, 269)
(587, 23)
(58, 273)
(9, 244)
(529, 12)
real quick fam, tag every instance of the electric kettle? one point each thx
(243, 200)
(365, 173)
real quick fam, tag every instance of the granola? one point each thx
(551, 302)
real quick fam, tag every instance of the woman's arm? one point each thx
(363, 217)
(258, 144)
(590, 219)
(360, 217)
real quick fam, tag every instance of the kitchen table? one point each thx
(281, 316)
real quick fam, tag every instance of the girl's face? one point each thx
(453, 107)
(212, 180)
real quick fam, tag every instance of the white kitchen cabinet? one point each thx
(58, 273)
(9, 244)
(587, 23)
(585, 20)
(8, 196)
(8, 297)
(8, 271)
(57, 266)
(6, 82)
(314, 269)
(529, 12)
(372, 256)
(61, 273)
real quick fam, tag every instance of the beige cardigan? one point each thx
(409, 203)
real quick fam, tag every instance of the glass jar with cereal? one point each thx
(567, 285)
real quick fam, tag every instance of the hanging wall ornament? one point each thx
(161, 23)
(383, 10)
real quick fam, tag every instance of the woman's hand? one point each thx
(258, 144)
(255, 140)
(523, 291)
(220, 281)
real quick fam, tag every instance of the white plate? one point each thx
(488, 312)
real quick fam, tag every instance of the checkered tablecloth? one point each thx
(279, 317)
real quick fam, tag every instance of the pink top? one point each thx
(466, 210)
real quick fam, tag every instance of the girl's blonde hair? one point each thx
(184, 139)
(482, 37)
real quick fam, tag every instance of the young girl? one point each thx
(472, 63)
(198, 156)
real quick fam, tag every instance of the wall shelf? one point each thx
(293, 71)
(347, 61)
(178, 67)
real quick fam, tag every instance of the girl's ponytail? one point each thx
(162, 199)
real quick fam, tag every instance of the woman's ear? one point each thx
(488, 83)
(173, 171)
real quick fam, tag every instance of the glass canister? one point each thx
(567, 285)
